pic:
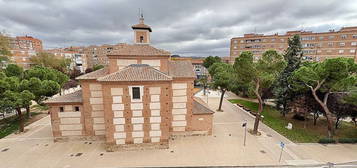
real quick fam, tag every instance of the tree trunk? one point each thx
(28, 112)
(204, 90)
(220, 102)
(260, 108)
(305, 118)
(316, 116)
(337, 122)
(328, 114)
(21, 120)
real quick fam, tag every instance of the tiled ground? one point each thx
(35, 148)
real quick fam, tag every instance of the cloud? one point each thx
(185, 27)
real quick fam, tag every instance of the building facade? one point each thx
(140, 99)
(316, 46)
(23, 48)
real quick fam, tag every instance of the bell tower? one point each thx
(141, 31)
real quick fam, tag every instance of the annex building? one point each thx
(141, 98)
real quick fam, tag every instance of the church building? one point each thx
(141, 98)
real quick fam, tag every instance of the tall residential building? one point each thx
(23, 48)
(316, 46)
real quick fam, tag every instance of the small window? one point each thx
(76, 108)
(61, 109)
(136, 92)
(141, 39)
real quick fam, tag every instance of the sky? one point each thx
(183, 27)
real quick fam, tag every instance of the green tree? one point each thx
(203, 81)
(332, 75)
(4, 49)
(222, 76)
(14, 70)
(98, 66)
(293, 55)
(259, 75)
(209, 61)
(50, 60)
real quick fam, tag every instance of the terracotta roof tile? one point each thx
(183, 69)
(141, 26)
(136, 72)
(95, 74)
(200, 107)
(75, 97)
(138, 50)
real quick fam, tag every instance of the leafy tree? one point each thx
(340, 109)
(203, 80)
(98, 66)
(209, 61)
(50, 60)
(12, 98)
(259, 75)
(14, 70)
(332, 75)
(4, 48)
(284, 94)
(222, 75)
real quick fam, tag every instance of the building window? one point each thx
(235, 47)
(61, 109)
(321, 37)
(354, 36)
(343, 36)
(273, 39)
(330, 44)
(352, 51)
(331, 37)
(141, 39)
(76, 108)
(353, 43)
(342, 44)
(235, 41)
(282, 40)
(242, 41)
(136, 92)
(329, 51)
(340, 51)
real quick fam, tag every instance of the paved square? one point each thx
(36, 149)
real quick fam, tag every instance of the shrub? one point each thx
(299, 117)
(347, 140)
(326, 140)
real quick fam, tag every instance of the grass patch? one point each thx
(11, 124)
(312, 133)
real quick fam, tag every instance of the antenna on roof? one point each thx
(141, 15)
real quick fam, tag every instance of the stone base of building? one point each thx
(136, 147)
(79, 138)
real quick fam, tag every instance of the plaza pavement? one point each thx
(36, 149)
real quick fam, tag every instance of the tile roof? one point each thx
(141, 26)
(138, 50)
(75, 97)
(183, 69)
(95, 74)
(136, 72)
(200, 107)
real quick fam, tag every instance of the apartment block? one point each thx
(316, 46)
(23, 48)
